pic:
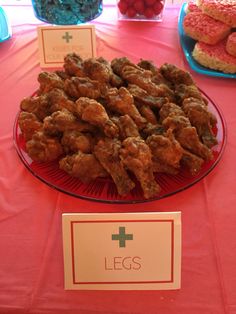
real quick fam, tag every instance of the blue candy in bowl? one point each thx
(67, 12)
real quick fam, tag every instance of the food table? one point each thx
(31, 263)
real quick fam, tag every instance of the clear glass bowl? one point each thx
(67, 12)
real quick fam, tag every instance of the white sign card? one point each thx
(57, 41)
(123, 251)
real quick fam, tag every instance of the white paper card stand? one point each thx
(57, 41)
(123, 251)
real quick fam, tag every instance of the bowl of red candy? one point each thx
(144, 10)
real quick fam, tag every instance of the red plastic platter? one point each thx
(104, 189)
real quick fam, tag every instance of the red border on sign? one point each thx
(171, 280)
(60, 28)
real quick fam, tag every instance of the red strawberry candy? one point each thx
(158, 7)
(149, 3)
(131, 12)
(123, 6)
(149, 12)
(130, 2)
(139, 6)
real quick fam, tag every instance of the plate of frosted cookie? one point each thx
(206, 52)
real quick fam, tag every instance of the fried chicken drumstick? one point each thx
(83, 166)
(122, 102)
(43, 148)
(199, 116)
(29, 124)
(167, 152)
(187, 136)
(62, 120)
(91, 111)
(174, 118)
(107, 151)
(137, 157)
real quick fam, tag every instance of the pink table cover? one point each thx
(31, 256)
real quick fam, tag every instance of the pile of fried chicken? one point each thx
(100, 119)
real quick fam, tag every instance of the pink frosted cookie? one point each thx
(231, 44)
(192, 7)
(222, 10)
(202, 27)
(214, 57)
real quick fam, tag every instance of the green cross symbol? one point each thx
(122, 237)
(67, 37)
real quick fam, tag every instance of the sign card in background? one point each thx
(57, 41)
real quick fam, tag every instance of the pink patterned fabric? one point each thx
(31, 256)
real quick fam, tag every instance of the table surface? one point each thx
(31, 263)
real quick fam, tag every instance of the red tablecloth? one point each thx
(31, 258)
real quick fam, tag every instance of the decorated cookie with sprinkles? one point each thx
(202, 27)
(222, 10)
(215, 57)
(231, 44)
